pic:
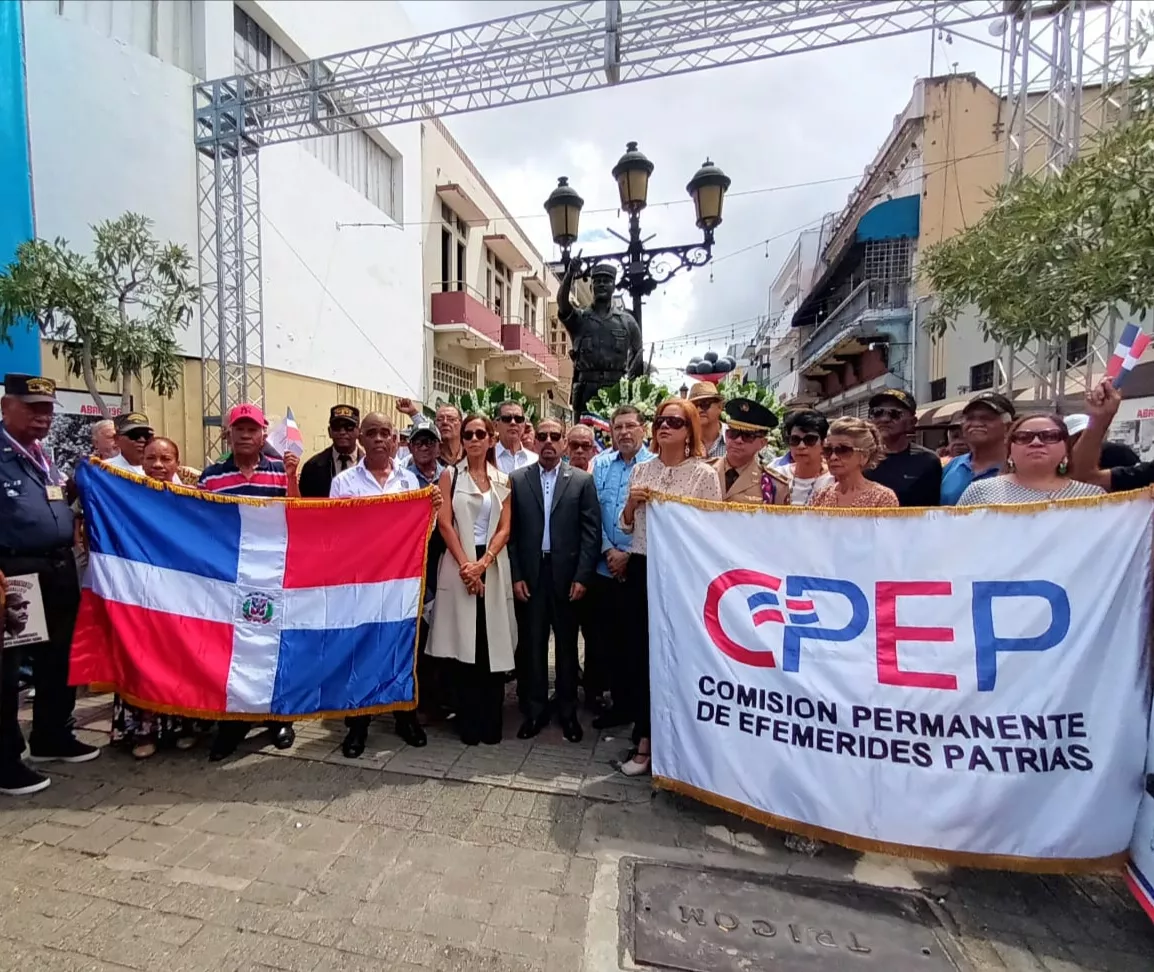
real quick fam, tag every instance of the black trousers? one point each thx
(55, 699)
(637, 624)
(549, 609)
(480, 690)
(410, 716)
(611, 633)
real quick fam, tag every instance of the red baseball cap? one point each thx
(246, 411)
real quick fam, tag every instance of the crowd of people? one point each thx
(540, 534)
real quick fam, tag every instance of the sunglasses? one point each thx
(550, 436)
(511, 419)
(809, 439)
(1045, 436)
(887, 413)
(743, 435)
(139, 435)
(838, 450)
(470, 434)
(579, 444)
(421, 441)
(705, 404)
(674, 422)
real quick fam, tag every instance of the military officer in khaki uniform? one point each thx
(745, 478)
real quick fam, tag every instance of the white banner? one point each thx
(967, 685)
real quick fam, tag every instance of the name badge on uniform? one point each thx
(55, 493)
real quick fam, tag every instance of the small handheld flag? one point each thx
(286, 436)
(1127, 354)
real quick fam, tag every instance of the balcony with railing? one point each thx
(455, 304)
(516, 336)
(873, 308)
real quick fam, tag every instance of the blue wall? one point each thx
(15, 177)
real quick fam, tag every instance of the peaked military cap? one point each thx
(30, 388)
(130, 422)
(345, 413)
(746, 415)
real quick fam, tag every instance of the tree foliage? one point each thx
(1054, 255)
(117, 311)
(485, 401)
(643, 393)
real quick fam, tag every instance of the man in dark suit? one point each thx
(318, 473)
(553, 553)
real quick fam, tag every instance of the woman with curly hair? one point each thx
(853, 446)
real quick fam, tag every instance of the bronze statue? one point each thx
(606, 340)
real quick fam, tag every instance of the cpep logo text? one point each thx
(800, 621)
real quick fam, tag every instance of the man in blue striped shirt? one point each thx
(611, 472)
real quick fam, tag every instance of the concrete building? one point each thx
(107, 86)
(490, 295)
(856, 327)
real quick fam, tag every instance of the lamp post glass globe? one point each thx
(632, 173)
(707, 189)
(564, 209)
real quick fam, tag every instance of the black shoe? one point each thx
(284, 736)
(611, 718)
(68, 750)
(410, 730)
(354, 743)
(222, 747)
(571, 729)
(21, 780)
(531, 727)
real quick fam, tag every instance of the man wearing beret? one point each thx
(36, 537)
(912, 471)
(318, 473)
(744, 477)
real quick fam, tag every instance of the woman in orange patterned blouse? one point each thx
(851, 447)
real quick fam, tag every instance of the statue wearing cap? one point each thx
(755, 481)
(606, 339)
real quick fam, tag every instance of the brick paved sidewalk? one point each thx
(441, 860)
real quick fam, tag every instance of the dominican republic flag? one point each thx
(201, 605)
(1127, 354)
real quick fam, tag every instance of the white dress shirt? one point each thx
(358, 481)
(548, 484)
(120, 462)
(509, 462)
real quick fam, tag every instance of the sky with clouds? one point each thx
(793, 133)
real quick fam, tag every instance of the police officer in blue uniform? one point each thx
(36, 537)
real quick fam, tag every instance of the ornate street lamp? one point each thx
(643, 268)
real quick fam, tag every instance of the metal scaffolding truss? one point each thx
(541, 54)
(1067, 81)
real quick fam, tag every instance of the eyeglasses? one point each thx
(422, 441)
(627, 427)
(549, 436)
(705, 404)
(809, 439)
(511, 419)
(343, 426)
(580, 444)
(1045, 436)
(893, 414)
(674, 422)
(139, 435)
(470, 434)
(841, 451)
(743, 435)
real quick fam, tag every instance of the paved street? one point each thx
(508, 858)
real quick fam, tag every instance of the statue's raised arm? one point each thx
(606, 339)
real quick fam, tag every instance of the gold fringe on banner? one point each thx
(313, 504)
(210, 715)
(762, 509)
(999, 862)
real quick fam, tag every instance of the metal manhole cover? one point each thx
(722, 921)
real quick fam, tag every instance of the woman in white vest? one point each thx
(474, 622)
